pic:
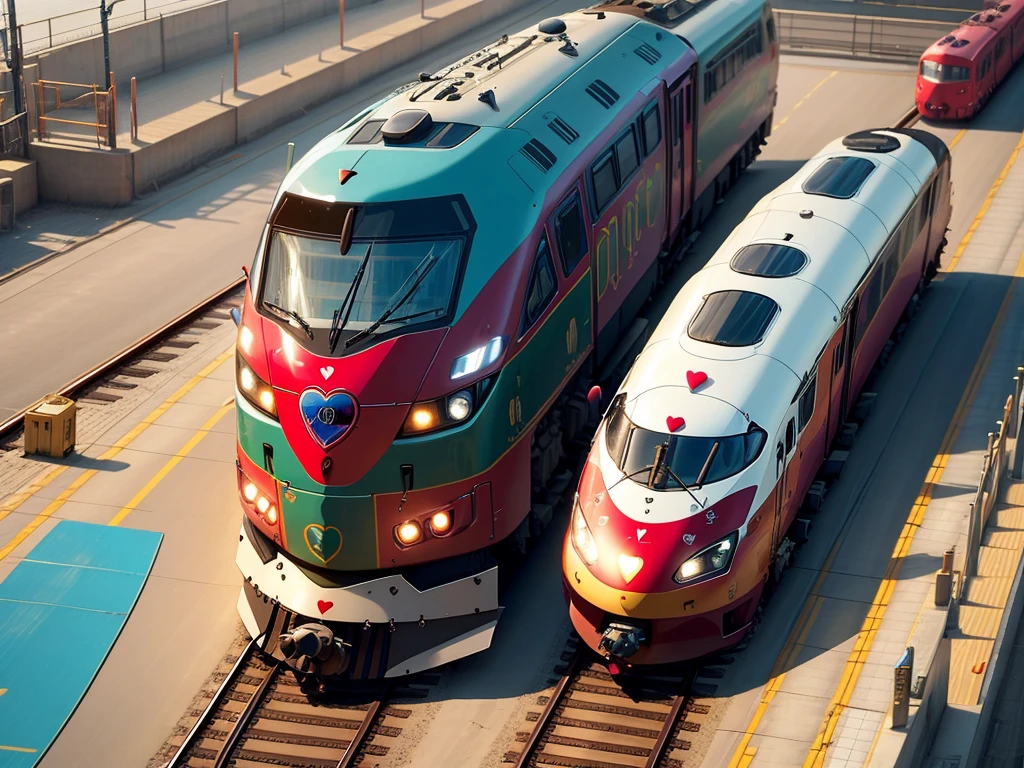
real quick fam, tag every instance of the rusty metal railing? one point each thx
(103, 105)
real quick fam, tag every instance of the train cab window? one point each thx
(943, 73)
(651, 128)
(571, 237)
(790, 436)
(605, 186)
(616, 429)
(542, 286)
(806, 409)
(628, 157)
(771, 29)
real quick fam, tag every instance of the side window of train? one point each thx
(675, 110)
(839, 356)
(872, 298)
(1000, 47)
(542, 286)
(650, 125)
(807, 403)
(771, 29)
(571, 237)
(627, 155)
(890, 262)
(605, 186)
(790, 436)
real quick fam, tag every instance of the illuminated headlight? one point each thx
(245, 339)
(479, 358)
(441, 522)
(460, 405)
(408, 533)
(254, 389)
(714, 559)
(582, 539)
(255, 499)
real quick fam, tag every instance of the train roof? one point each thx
(969, 40)
(707, 32)
(755, 318)
(501, 137)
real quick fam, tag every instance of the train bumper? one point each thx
(669, 637)
(393, 628)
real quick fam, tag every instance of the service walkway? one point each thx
(827, 692)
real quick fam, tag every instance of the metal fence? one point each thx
(13, 136)
(1000, 462)
(869, 36)
(84, 109)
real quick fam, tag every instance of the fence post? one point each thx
(112, 96)
(423, 9)
(1018, 382)
(235, 56)
(341, 11)
(135, 113)
(49, 31)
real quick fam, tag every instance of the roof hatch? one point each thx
(839, 177)
(733, 318)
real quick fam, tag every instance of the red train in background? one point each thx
(957, 75)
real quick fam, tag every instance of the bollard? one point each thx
(222, 87)
(235, 56)
(291, 155)
(944, 581)
(135, 112)
(423, 9)
(113, 112)
(901, 689)
(341, 11)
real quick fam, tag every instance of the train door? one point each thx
(787, 472)
(848, 347)
(679, 160)
(792, 473)
(570, 231)
(837, 394)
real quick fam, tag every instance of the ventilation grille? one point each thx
(539, 155)
(563, 130)
(602, 93)
(648, 53)
(960, 43)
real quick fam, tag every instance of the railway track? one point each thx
(264, 714)
(109, 381)
(592, 720)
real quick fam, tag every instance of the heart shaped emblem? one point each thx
(328, 417)
(324, 543)
(689, 538)
(695, 378)
(327, 371)
(629, 567)
(324, 606)
(675, 422)
(640, 533)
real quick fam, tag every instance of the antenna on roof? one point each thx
(487, 97)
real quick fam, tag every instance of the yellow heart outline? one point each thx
(323, 530)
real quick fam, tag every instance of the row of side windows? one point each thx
(607, 175)
(728, 64)
(895, 253)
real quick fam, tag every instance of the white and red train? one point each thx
(690, 500)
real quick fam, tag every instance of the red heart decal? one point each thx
(695, 378)
(674, 423)
(324, 606)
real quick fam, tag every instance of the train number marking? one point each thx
(710, 515)
(640, 533)
(689, 538)
(327, 371)
(515, 411)
(572, 337)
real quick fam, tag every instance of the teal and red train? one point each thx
(439, 284)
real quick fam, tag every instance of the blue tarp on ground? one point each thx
(61, 609)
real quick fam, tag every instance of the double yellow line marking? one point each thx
(110, 453)
(782, 122)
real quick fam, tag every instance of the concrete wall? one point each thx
(104, 177)
(194, 35)
(23, 173)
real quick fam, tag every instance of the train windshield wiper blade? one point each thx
(423, 268)
(291, 315)
(341, 313)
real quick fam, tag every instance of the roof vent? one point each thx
(551, 27)
(806, 213)
(648, 53)
(946, 40)
(733, 318)
(407, 125)
(539, 155)
(960, 43)
(870, 141)
(563, 130)
(602, 93)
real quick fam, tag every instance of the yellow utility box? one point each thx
(50, 426)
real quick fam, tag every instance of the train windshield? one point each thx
(402, 267)
(634, 449)
(944, 73)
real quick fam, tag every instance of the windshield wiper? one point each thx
(341, 313)
(426, 265)
(288, 314)
(659, 465)
(707, 465)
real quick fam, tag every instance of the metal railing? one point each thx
(13, 133)
(869, 36)
(97, 102)
(1000, 460)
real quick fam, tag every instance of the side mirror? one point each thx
(594, 401)
(236, 315)
(245, 271)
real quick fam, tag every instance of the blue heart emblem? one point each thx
(328, 417)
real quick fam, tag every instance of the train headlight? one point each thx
(481, 357)
(445, 412)
(582, 539)
(245, 339)
(715, 559)
(441, 522)
(256, 500)
(460, 405)
(408, 533)
(254, 389)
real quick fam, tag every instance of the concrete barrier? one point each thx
(254, 19)
(300, 11)
(211, 132)
(23, 174)
(194, 35)
(83, 176)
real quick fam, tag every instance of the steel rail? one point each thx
(908, 119)
(549, 711)
(132, 350)
(661, 746)
(245, 717)
(372, 713)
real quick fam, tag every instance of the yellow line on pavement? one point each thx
(782, 122)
